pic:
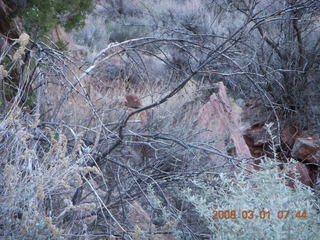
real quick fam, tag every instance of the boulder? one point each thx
(257, 136)
(133, 101)
(289, 134)
(313, 159)
(306, 149)
(303, 174)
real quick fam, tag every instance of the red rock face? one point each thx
(133, 101)
(217, 116)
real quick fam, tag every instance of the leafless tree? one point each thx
(271, 46)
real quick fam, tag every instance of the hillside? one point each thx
(171, 119)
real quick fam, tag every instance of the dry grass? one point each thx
(38, 176)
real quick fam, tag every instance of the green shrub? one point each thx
(260, 201)
(41, 16)
(263, 191)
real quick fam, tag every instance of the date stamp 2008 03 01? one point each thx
(263, 214)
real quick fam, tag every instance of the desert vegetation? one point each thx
(125, 119)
